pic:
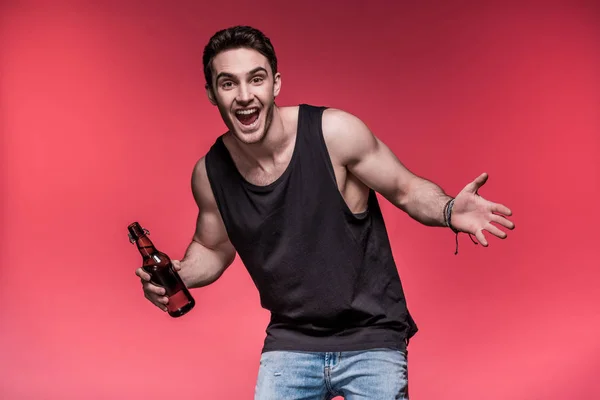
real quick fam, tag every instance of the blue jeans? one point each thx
(378, 374)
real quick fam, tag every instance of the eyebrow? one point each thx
(252, 72)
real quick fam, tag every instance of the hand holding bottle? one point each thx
(159, 275)
(155, 294)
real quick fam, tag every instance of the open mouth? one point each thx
(247, 116)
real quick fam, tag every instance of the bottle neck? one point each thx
(145, 246)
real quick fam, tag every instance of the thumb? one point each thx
(477, 183)
(176, 265)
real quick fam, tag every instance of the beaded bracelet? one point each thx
(450, 205)
(448, 215)
(448, 222)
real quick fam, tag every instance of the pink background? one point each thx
(103, 115)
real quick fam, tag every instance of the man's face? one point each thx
(244, 90)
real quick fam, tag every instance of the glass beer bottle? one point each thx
(160, 268)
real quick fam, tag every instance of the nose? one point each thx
(244, 94)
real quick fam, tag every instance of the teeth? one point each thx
(246, 112)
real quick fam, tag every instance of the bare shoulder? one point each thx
(289, 115)
(347, 137)
(289, 110)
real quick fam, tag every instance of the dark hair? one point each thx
(233, 38)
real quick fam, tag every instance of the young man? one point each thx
(292, 190)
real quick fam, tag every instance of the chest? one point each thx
(265, 174)
(310, 163)
(352, 190)
(266, 171)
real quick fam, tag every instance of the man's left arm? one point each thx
(370, 160)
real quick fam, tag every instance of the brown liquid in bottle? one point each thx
(160, 268)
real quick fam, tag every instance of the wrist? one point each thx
(448, 214)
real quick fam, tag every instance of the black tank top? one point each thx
(326, 275)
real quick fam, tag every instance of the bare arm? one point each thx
(210, 252)
(353, 145)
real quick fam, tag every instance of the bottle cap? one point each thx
(136, 232)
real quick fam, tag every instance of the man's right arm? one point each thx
(210, 252)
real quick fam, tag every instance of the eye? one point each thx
(226, 85)
(257, 79)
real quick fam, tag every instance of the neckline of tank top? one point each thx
(286, 171)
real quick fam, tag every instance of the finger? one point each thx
(494, 230)
(500, 220)
(158, 290)
(477, 183)
(177, 265)
(159, 302)
(481, 238)
(501, 209)
(142, 274)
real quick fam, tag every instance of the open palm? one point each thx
(473, 214)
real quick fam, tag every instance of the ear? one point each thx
(276, 84)
(210, 94)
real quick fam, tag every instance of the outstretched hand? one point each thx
(473, 214)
